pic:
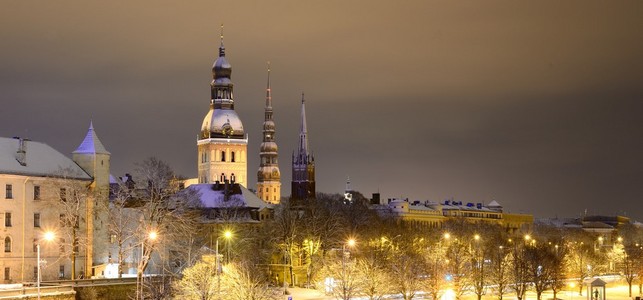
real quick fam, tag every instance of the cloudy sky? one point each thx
(537, 104)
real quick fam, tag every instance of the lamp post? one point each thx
(228, 235)
(152, 235)
(49, 236)
(350, 243)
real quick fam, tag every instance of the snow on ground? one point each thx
(613, 293)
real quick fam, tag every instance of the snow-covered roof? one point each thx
(494, 203)
(91, 144)
(211, 198)
(41, 160)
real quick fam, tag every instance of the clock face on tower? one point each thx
(227, 130)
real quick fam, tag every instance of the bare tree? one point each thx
(500, 270)
(244, 282)
(122, 224)
(199, 282)
(436, 264)
(162, 210)
(374, 278)
(520, 275)
(73, 192)
(459, 264)
(406, 269)
(346, 277)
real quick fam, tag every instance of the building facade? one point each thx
(303, 163)
(268, 175)
(222, 143)
(45, 191)
(433, 215)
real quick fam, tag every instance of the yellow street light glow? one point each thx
(227, 234)
(527, 237)
(620, 239)
(600, 239)
(572, 285)
(476, 237)
(153, 235)
(351, 242)
(49, 236)
(447, 236)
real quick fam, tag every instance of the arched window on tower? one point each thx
(7, 244)
(232, 178)
(222, 177)
(222, 155)
(232, 156)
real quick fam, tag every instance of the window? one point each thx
(62, 246)
(61, 272)
(63, 194)
(232, 156)
(7, 219)
(36, 192)
(35, 273)
(7, 273)
(35, 245)
(222, 155)
(7, 245)
(9, 192)
(36, 220)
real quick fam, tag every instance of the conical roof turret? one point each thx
(91, 144)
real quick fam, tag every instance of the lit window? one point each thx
(7, 244)
(9, 191)
(7, 219)
(36, 220)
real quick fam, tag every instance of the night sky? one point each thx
(537, 105)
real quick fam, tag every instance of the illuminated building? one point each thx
(303, 163)
(268, 175)
(35, 178)
(222, 143)
(432, 215)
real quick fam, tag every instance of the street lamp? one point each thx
(48, 236)
(151, 236)
(227, 235)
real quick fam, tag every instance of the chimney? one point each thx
(21, 154)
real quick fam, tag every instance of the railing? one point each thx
(44, 290)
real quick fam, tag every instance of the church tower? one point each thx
(94, 159)
(303, 163)
(222, 143)
(268, 176)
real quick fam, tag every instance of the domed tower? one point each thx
(268, 176)
(222, 143)
(303, 163)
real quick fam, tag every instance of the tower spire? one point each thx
(268, 175)
(303, 164)
(221, 47)
(268, 90)
(303, 133)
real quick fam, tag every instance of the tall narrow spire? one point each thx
(268, 90)
(303, 133)
(303, 163)
(268, 175)
(221, 47)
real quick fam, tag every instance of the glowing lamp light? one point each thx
(49, 236)
(449, 294)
